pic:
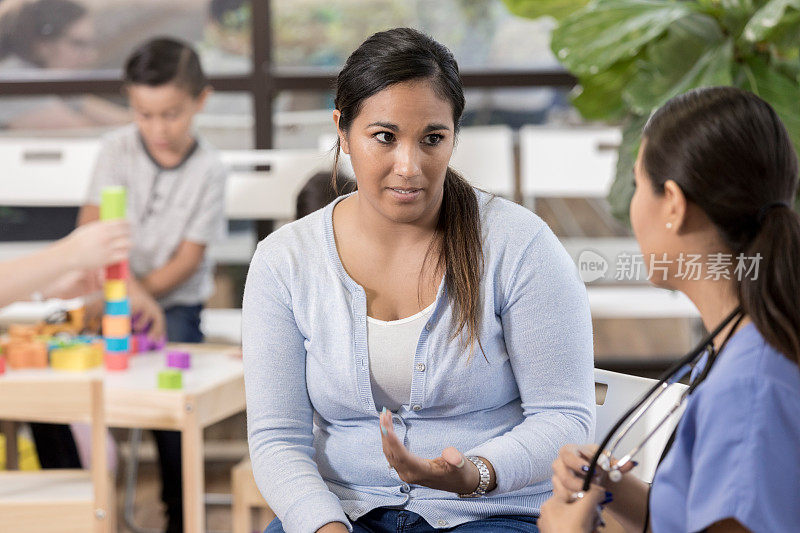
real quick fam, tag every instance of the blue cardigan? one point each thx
(313, 430)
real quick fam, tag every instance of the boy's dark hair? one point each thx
(164, 60)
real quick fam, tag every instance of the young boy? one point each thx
(175, 185)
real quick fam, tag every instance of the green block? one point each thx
(112, 203)
(170, 379)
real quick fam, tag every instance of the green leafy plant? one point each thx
(631, 56)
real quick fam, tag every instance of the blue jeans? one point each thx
(183, 323)
(385, 520)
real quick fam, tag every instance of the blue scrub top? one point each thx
(737, 448)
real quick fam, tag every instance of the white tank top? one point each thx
(391, 346)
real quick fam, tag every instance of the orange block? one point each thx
(27, 354)
(22, 332)
(116, 327)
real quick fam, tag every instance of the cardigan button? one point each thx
(421, 367)
(417, 407)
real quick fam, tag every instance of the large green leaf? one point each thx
(621, 192)
(693, 53)
(606, 31)
(533, 9)
(782, 93)
(769, 20)
(600, 97)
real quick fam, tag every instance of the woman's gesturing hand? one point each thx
(451, 472)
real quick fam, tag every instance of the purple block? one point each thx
(146, 345)
(176, 359)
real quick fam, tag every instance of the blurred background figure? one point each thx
(51, 35)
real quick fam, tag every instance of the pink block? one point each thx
(176, 359)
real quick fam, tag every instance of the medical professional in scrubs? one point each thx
(716, 174)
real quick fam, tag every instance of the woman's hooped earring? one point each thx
(669, 225)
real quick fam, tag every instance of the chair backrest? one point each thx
(46, 172)
(264, 184)
(567, 162)
(484, 155)
(615, 394)
(62, 400)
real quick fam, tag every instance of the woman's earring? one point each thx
(669, 225)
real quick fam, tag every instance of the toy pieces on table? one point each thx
(118, 308)
(112, 203)
(115, 290)
(76, 358)
(70, 322)
(31, 354)
(116, 326)
(170, 379)
(116, 360)
(117, 345)
(23, 332)
(178, 359)
(2, 365)
(145, 344)
(117, 270)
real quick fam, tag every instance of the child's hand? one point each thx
(147, 312)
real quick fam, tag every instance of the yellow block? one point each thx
(115, 290)
(76, 358)
(27, 458)
(116, 327)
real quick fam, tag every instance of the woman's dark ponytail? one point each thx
(772, 297)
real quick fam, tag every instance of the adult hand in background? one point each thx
(96, 244)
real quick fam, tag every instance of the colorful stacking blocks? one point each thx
(177, 359)
(170, 379)
(117, 318)
(2, 365)
(78, 357)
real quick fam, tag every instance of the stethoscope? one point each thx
(684, 366)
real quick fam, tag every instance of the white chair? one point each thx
(639, 302)
(484, 155)
(75, 501)
(264, 184)
(575, 162)
(46, 172)
(615, 393)
(221, 325)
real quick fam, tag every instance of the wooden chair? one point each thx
(246, 499)
(67, 501)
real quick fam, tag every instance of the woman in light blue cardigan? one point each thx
(415, 342)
